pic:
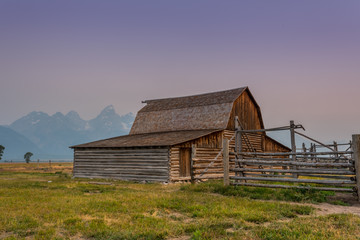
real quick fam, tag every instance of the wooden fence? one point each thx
(331, 169)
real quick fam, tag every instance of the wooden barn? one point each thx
(176, 139)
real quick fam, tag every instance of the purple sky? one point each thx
(301, 59)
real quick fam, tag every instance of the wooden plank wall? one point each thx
(206, 153)
(213, 140)
(273, 146)
(207, 147)
(175, 165)
(245, 108)
(136, 164)
(256, 140)
(203, 157)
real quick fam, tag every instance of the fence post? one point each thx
(237, 135)
(304, 150)
(336, 149)
(356, 154)
(293, 145)
(193, 156)
(238, 145)
(226, 161)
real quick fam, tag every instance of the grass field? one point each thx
(39, 202)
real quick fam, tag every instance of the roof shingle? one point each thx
(198, 112)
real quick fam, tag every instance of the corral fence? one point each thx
(321, 166)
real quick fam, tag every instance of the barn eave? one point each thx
(158, 139)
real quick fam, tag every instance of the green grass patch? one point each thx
(293, 195)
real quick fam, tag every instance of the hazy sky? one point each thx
(301, 59)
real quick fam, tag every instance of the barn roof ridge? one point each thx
(191, 101)
(196, 95)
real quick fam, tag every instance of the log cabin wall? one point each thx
(207, 148)
(175, 166)
(247, 111)
(135, 164)
(206, 155)
(201, 160)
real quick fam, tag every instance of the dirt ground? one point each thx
(322, 209)
(326, 208)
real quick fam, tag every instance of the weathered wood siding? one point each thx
(136, 164)
(213, 140)
(256, 141)
(175, 165)
(203, 157)
(259, 141)
(206, 155)
(249, 114)
(273, 146)
(206, 147)
(201, 161)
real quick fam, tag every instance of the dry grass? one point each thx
(42, 167)
(40, 203)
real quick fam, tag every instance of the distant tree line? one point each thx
(27, 155)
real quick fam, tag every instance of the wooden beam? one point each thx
(226, 161)
(302, 170)
(288, 153)
(297, 187)
(298, 180)
(356, 155)
(293, 145)
(193, 156)
(292, 163)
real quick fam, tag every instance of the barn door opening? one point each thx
(185, 158)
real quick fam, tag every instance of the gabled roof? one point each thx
(206, 99)
(149, 139)
(197, 112)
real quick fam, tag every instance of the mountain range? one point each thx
(49, 137)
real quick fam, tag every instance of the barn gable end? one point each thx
(248, 112)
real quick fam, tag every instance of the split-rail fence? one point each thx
(330, 169)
